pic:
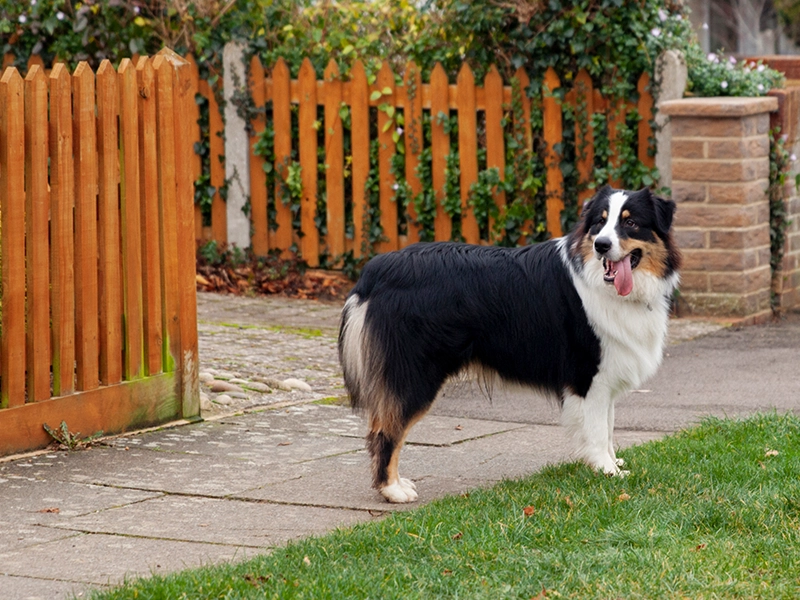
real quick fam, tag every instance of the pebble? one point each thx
(223, 399)
(256, 386)
(239, 395)
(296, 384)
(205, 377)
(205, 403)
(226, 375)
(224, 386)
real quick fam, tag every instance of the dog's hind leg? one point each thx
(384, 442)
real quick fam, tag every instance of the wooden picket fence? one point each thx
(412, 97)
(98, 308)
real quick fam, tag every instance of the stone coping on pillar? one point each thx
(718, 106)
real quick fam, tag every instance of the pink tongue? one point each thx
(624, 280)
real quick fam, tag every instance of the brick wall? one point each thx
(720, 171)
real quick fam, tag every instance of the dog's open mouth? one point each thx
(619, 272)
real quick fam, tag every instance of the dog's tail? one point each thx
(354, 353)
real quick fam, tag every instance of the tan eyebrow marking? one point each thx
(626, 214)
(605, 214)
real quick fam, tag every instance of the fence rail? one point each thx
(480, 111)
(98, 306)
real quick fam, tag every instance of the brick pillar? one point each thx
(786, 281)
(720, 174)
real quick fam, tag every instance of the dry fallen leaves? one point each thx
(528, 511)
(623, 497)
(271, 275)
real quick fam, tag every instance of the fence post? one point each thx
(671, 76)
(237, 145)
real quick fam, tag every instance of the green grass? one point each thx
(712, 512)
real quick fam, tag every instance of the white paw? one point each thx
(400, 493)
(620, 462)
(408, 483)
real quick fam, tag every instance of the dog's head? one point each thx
(627, 232)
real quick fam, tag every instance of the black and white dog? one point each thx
(583, 317)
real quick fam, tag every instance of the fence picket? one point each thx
(62, 290)
(37, 263)
(553, 136)
(108, 226)
(216, 151)
(440, 147)
(196, 160)
(131, 216)
(413, 142)
(12, 215)
(282, 123)
(165, 115)
(495, 143)
(359, 118)
(86, 322)
(645, 131)
(384, 83)
(258, 178)
(152, 310)
(334, 162)
(307, 150)
(468, 150)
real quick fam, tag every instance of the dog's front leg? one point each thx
(590, 425)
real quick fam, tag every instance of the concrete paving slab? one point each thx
(46, 502)
(315, 418)
(215, 521)
(28, 588)
(164, 471)
(435, 430)
(16, 534)
(108, 559)
(245, 442)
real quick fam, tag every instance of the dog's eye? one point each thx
(630, 223)
(601, 221)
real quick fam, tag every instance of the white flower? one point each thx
(655, 32)
(33, 2)
(679, 17)
(399, 131)
(705, 26)
(136, 9)
(396, 187)
(760, 87)
(793, 157)
(723, 85)
(760, 68)
(22, 19)
(60, 16)
(713, 58)
(662, 14)
(732, 60)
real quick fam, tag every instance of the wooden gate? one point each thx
(99, 313)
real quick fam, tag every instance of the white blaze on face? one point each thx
(615, 203)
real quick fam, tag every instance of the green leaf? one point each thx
(387, 91)
(374, 96)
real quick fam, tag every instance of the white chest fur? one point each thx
(632, 330)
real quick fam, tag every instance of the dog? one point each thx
(582, 317)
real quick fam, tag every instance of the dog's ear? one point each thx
(603, 191)
(665, 211)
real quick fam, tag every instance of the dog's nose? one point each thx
(602, 245)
